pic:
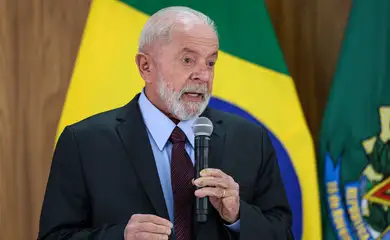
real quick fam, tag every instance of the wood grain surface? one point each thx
(310, 34)
(39, 40)
(8, 103)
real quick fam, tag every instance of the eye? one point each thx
(188, 60)
(211, 64)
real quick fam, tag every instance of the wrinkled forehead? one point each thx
(196, 36)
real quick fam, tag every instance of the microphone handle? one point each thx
(202, 144)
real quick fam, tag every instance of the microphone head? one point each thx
(202, 127)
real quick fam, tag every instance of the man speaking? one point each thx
(130, 173)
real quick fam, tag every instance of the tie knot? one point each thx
(177, 136)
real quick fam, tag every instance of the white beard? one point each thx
(183, 110)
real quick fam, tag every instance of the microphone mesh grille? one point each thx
(202, 126)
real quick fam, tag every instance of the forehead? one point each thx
(198, 37)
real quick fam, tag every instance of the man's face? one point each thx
(184, 70)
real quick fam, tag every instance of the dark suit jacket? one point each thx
(103, 172)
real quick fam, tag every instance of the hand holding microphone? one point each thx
(222, 190)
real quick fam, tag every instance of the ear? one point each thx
(143, 62)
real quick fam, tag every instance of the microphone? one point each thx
(202, 129)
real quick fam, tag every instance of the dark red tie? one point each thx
(182, 172)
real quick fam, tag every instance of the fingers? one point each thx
(215, 192)
(151, 218)
(212, 172)
(145, 226)
(222, 190)
(150, 236)
(151, 228)
(212, 182)
(211, 177)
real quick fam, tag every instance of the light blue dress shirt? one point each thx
(159, 128)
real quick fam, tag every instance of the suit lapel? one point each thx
(132, 132)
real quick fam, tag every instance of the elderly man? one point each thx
(129, 173)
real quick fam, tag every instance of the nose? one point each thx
(202, 75)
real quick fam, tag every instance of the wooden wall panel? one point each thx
(39, 40)
(38, 46)
(8, 102)
(49, 37)
(310, 34)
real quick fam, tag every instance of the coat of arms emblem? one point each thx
(361, 208)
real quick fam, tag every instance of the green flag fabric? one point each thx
(354, 151)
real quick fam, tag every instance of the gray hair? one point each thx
(160, 24)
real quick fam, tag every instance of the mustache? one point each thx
(196, 88)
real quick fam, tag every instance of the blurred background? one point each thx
(39, 44)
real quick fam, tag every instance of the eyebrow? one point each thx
(188, 50)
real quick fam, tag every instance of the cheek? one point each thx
(178, 80)
(210, 82)
(210, 86)
(180, 83)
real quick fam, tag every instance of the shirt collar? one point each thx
(159, 125)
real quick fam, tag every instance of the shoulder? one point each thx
(96, 123)
(235, 123)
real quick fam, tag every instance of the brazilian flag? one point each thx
(354, 153)
(251, 80)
